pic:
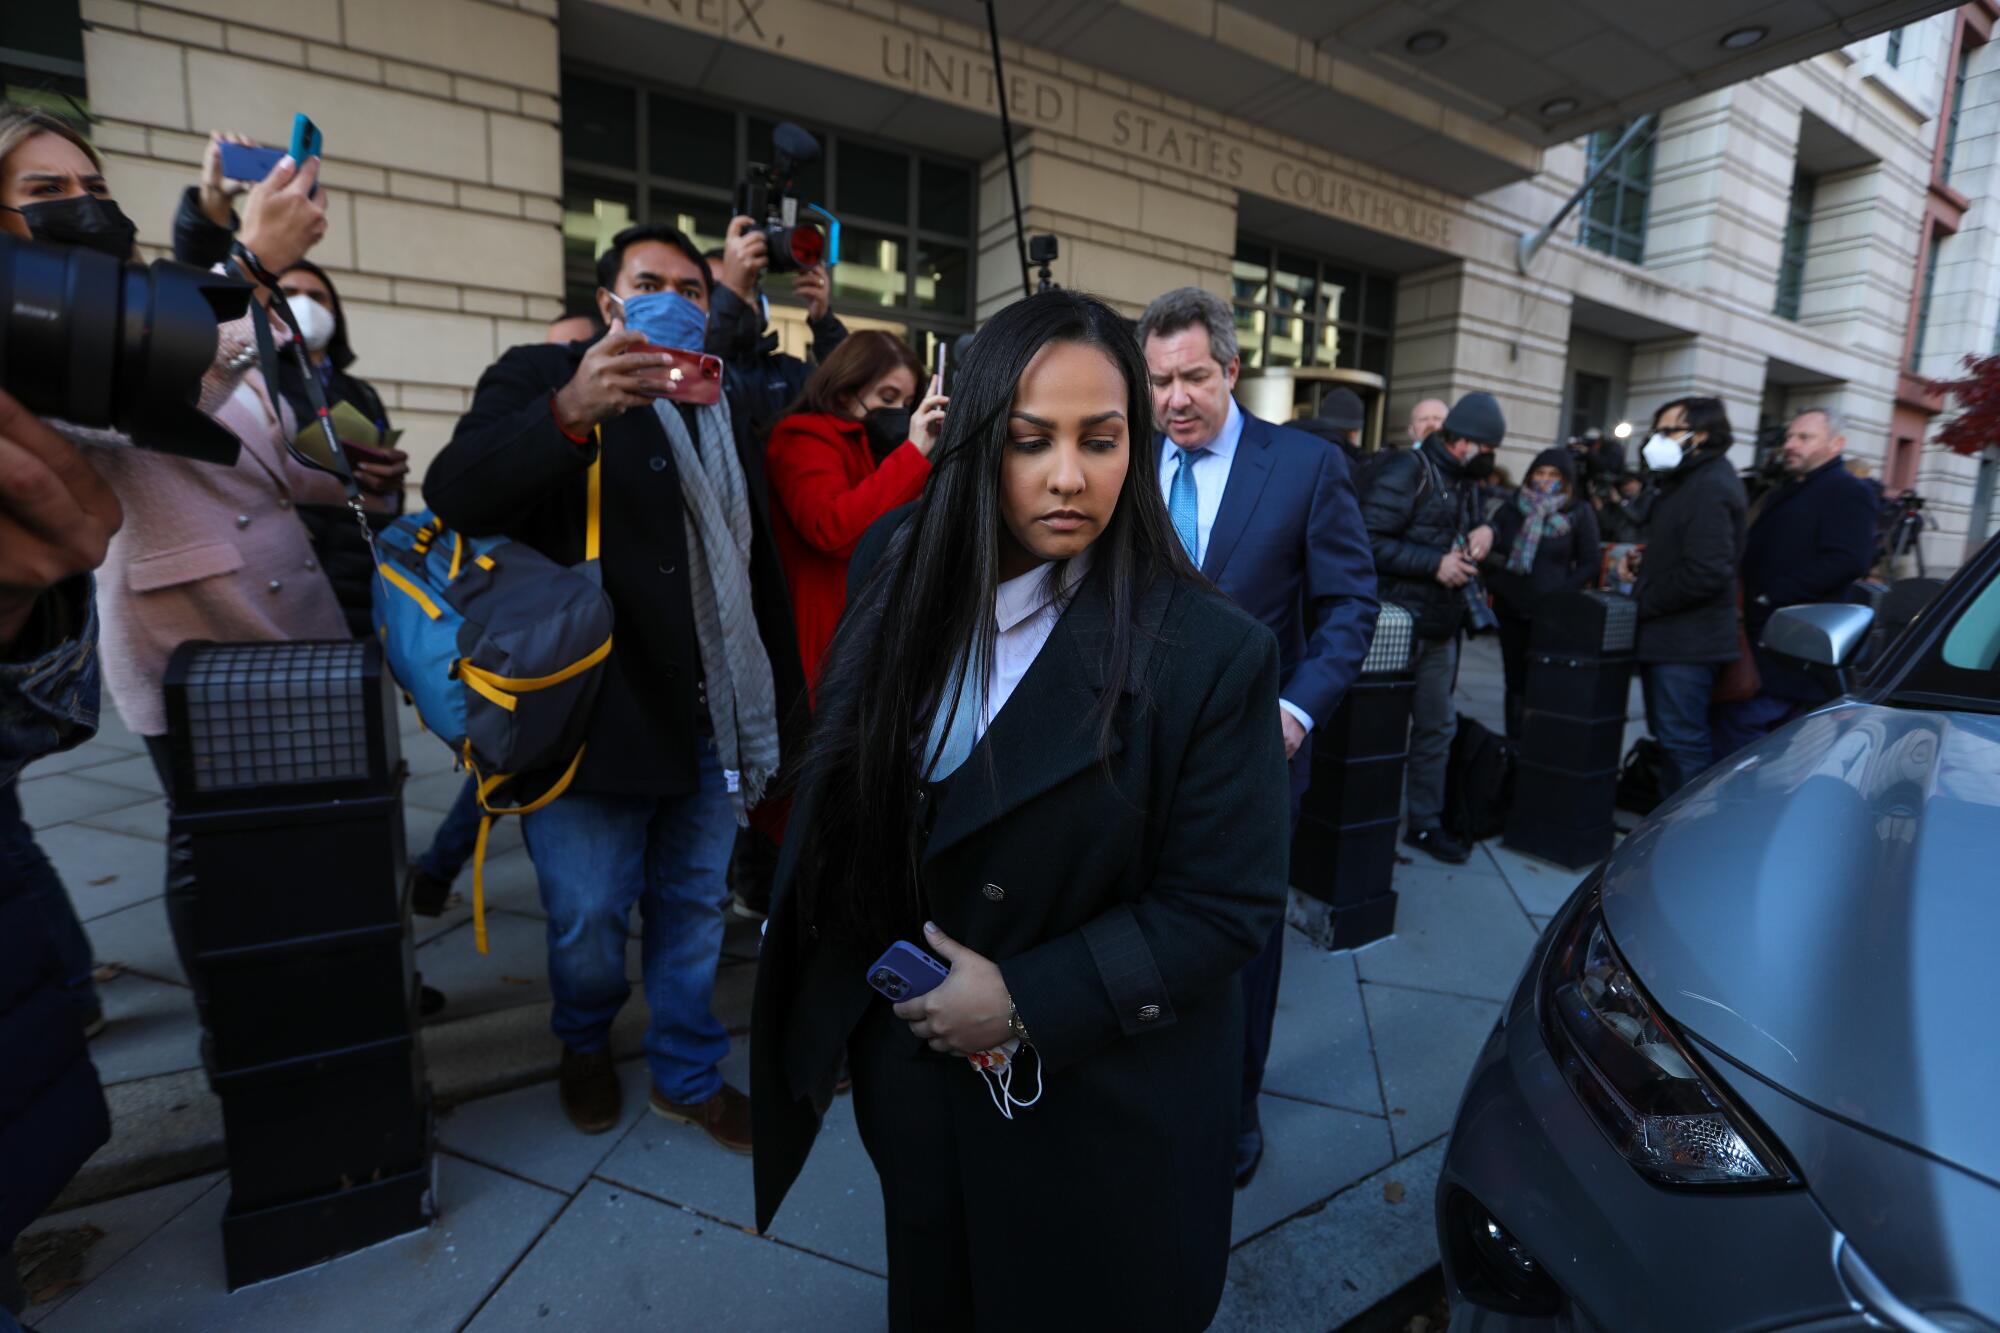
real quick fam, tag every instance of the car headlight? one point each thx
(1641, 1084)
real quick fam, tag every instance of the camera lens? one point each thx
(795, 248)
(97, 342)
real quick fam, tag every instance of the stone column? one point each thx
(1465, 326)
(1128, 230)
(443, 167)
(1722, 184)
(1861, 254)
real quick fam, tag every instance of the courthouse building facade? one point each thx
(1800, 217)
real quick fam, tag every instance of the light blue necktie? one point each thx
(1184, 503)
(958, 742)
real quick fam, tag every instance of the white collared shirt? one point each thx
(1211, 475)
(1025, 611)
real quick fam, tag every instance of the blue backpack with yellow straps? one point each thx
(501, 650)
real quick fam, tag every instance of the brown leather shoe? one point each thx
(726, 1116)
(591, 1097)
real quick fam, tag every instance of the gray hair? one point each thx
(1836, 424)
(1185, 307)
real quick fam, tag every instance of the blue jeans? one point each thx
(596, 855)
(25, 866)
(452, 846)
(1677, 702)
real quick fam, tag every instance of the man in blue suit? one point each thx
(1269, 514)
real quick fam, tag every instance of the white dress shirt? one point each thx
(1025, 611)
(1211, 475)
(1211, 479)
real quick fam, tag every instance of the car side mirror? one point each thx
(1827, 634)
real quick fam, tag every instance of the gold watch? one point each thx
(1015, 1025)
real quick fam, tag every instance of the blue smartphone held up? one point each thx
(306, 138)
(252, 163)
(904, 972)
(247, 162)
(307, 142)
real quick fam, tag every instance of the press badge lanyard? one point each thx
(267, 355)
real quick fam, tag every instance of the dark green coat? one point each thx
(1120, 907)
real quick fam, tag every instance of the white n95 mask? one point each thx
(315, 321)
(1662, 453)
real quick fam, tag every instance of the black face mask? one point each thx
(1480, 466)
(887, 428)
(85, 220)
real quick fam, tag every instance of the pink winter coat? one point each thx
(210, 552)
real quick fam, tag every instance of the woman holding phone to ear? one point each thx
(1043, 754)
(846, 453)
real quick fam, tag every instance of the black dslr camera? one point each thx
(765, 195)
(99, 342)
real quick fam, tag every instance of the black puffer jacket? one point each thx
(1416, 506)
(1694, 548)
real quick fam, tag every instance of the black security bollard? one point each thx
(1344, 853)
(285, 902)
(1572, 728)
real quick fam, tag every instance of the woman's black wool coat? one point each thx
(1120, 901)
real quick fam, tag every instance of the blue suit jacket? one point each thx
(1289, 547)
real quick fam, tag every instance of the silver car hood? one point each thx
(1825, 908)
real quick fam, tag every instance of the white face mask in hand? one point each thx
(315, 321)
(1662, 453)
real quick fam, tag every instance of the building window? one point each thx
(1295, 310)
(1924, 302)
(1957, 102)
(1792, 263)
(1589, 402)
(638, 153)
(1614, 209)
(41, 59)
(1895, 47)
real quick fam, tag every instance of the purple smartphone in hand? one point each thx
(904, 972)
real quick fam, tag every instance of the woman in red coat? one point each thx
(847, 452)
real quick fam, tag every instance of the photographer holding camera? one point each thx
(209, 549)
(738, 318)
(1421, 508)
(207, 552)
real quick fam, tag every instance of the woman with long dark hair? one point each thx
(847, 452)
(1043, 757)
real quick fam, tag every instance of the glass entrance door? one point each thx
(1295, 393)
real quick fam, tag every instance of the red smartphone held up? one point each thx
(688, 377)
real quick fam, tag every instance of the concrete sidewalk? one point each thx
(652, 1223)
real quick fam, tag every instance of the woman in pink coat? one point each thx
(207, 552)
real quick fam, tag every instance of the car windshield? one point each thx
(1961, 667)
(1974, 642)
